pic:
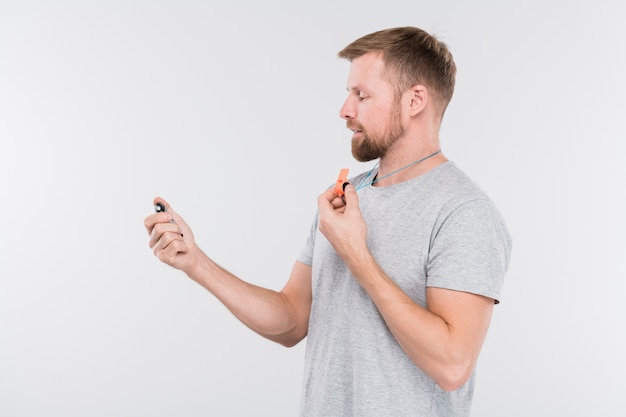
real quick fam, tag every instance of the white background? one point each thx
(231, 114)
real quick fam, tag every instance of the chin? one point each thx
(362, 157)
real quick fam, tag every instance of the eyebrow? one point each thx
(356, 88)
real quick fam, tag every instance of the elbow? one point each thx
(289, 339)
(454, 377)
(289, 343)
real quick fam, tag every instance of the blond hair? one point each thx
(411, 56)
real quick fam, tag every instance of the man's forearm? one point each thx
(439, 347)
(267, 312)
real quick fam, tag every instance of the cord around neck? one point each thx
(375, 180)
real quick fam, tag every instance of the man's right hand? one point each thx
(171, 239)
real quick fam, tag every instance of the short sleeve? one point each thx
(470, 251)
(306, 253)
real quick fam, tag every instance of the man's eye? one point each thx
(362, 96)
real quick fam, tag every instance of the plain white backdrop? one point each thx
(230, 112)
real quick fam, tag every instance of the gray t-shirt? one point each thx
(435, 230)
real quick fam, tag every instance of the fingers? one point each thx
(171, 239)
(156, 218)
(166, 240)
(329, 200)
(160, 229)
(338, 203)
(169, 247)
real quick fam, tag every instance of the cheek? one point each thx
(381, 125)
(372, 118)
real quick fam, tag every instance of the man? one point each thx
(396, 284)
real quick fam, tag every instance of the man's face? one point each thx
(372, 110)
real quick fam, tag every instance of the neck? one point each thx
(406, 165)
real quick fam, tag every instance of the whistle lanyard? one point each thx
(375, 180)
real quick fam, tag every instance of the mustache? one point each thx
(354, 126)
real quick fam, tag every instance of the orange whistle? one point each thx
(343, 178)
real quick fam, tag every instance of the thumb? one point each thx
(160, 205)
(350, 195)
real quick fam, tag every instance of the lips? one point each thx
(355, 128)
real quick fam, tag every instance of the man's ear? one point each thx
(418, 99)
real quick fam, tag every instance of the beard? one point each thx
(376, 144)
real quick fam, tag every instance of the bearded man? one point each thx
(396, 284)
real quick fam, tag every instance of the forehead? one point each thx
(367, 71)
